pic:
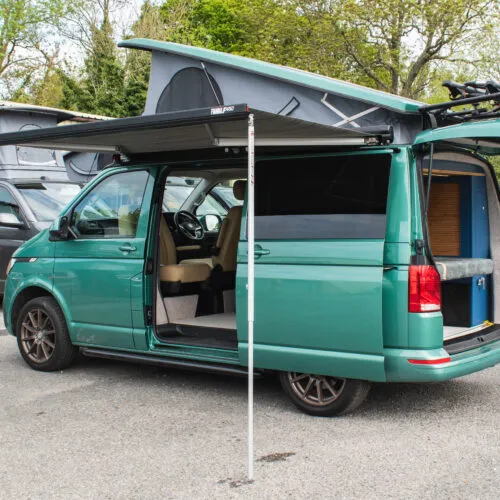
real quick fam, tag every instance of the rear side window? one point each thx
(322, 198)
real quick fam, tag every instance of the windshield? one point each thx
(177, 191)
(226, 193)
(47, 200)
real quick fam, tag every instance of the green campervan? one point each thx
(376, 254)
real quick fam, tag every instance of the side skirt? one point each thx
(165, 362)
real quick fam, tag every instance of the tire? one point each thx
(324, 396)
(42, 336)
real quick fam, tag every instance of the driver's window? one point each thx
(112, 208)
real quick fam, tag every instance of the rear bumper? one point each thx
(399, 369)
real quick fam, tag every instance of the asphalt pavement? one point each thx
(111, 430)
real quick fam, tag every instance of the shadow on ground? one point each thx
(383, 400)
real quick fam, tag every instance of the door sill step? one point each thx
(149, 359)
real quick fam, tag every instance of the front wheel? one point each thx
(322, 395)
(42, 336)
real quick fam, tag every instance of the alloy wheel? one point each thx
(38, 336)
(316, 390)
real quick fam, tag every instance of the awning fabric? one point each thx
(186, 130)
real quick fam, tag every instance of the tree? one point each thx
(103, 86)
(399, 44)
(25, 42)
(148, 25)
(100, 88)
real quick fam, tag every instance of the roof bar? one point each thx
(459, 102)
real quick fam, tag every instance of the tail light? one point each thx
(424, 289)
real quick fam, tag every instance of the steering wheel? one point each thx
(189, 225)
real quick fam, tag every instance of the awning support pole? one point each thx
(250, 285)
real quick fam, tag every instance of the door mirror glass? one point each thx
(211, 222)
(9, 215)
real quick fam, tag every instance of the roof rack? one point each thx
(468, 95)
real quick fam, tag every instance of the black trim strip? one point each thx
(164, 361)
(473, 341)
(199, 336)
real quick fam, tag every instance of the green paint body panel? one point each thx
(328, 362)
(398, 369)
(84, 268)
(270, 70)
(472, 130)
(395, 307)
(425, 330)
(26, 275)
(334, 307)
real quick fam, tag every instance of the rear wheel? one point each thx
(42, 335)
(322, 395)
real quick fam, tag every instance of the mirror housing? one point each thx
(59, 230)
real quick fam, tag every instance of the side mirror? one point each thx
(11, 220)
(59, 230)
(211, 222)
(9, 216)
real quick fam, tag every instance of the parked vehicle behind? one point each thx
(34, 184)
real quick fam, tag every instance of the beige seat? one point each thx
(229, 235)
(185, 272)
(128, 218)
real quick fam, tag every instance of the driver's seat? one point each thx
(170, 271)
(226, 249)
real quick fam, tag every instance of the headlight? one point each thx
(18, 259)
(9, 266)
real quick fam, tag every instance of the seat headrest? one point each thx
(239, 189)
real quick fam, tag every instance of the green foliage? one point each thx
(400, 44)
(103, 89)
(25, 28)
(495, 161)
(407, 47)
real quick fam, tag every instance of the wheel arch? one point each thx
(28, 293)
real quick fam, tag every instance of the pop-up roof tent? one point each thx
(184, 77)
(188, 78)
(19, 161)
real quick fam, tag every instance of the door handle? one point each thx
(259, 251)
(127, 248)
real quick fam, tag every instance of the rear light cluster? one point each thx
(424, 289)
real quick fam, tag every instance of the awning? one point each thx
(223, 126)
